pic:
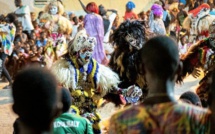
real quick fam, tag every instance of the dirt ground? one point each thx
(7, 116)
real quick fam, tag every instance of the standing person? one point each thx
(108, 23)
(129, 14)
(23, 14)
(7, 31)
(69, 123)
(93, 24)
(160, 112)
(36, 101)
(156, 23)
(181, 14)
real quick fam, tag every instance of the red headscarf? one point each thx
(92, 7)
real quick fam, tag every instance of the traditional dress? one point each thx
(161, 118)
(93, 24)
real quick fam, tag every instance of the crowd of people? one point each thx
(62, 67)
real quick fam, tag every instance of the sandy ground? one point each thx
(7, 116)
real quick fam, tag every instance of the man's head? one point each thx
(10, 18)
(75, 20)
(130, 6)
(102, 10)
(191, 98)
(66, 99)
(36, 98)
(159, 58)
(18, 3)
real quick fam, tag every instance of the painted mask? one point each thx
(85, 55)
(53, 10)
(133, 42)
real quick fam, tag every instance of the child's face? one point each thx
(40, 50)
(27, 47)
(34, 49)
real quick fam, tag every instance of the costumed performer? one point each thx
(58, 28)
(88, 80)
(197, 23)
(201, 55)
(128, 39)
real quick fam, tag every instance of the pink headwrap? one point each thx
(157, 10)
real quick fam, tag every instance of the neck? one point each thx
(161, 91)
(24, 129)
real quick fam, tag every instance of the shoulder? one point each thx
(130, 120)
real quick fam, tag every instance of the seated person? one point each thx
(191, 98)
(68, 123)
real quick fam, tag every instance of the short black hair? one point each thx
(12, 17)
(35, 96)
(66, 99)
(160, 56)
(191, 96)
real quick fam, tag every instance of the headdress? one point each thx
(129, 33)
(130, 5)
(157, 10)
(55, 3)
(81, 41)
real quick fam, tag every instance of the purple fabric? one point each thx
(157, 10)
(93, 24)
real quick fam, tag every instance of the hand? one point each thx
(196, 72)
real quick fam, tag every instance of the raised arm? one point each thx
(83, 6)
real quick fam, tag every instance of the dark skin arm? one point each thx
(83, 6)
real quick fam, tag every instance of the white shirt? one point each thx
(111, 19)
(26, 19)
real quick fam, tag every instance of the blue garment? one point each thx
(183, 1)
(130, 5)
(41, 44)
(212, 12)
(165, 13)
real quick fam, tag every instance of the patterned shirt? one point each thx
(7, 35)
(161, 118)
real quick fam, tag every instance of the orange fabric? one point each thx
(130, 15)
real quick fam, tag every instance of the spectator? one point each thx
(36, 101)
(68, 123)
(191, 98)
(156, 23)
(160, 113)
(181, 14)
(8, 31)
(129, 14)
(23, 14)
(93, 24)
(42, 41)
(75, 27)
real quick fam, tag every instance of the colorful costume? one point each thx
(87, 80)
(161, 118)
(201, 55)
(128, 39)
(197, 23)
(58, 27)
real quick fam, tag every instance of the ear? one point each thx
(58, 109)
(178, 74)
